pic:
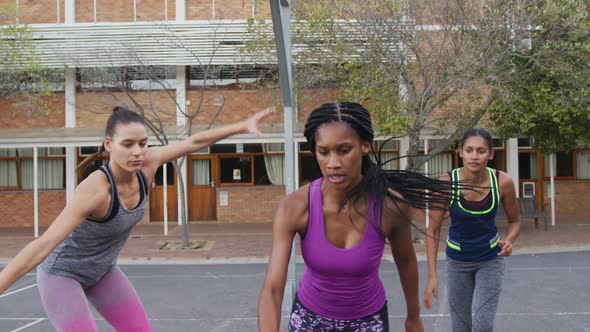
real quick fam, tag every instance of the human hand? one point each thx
(251, 124)
(430, 291)
(506, 248)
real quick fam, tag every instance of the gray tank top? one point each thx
(92, 249)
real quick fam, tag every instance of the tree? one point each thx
(23, 80)
(546, 94)
(418, 65)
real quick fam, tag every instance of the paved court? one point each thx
(547, 292)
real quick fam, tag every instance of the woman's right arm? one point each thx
(87, 197)
(432, 242)
(291, 212)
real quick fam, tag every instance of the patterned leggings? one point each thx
(66, 305)
(303, 320)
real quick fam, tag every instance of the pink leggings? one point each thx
(113, 296)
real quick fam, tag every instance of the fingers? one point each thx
(265, 112)
(427, 301)
(506, 248)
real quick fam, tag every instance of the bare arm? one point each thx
(88, 195)
(510, 203)
(291, 211)
(432, 243)
(159, 155)
(402, 249)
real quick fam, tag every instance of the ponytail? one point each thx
(84, 163)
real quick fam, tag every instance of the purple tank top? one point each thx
(341, 283)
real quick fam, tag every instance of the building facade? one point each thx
(192, 48)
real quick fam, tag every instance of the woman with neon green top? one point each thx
(475, 250)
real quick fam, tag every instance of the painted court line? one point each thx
(18, 290)
(582, 313)
(541, 268)
(197, 276)
(28, 325)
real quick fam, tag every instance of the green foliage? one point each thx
(547, 95)
(23, 80)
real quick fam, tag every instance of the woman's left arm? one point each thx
(510, 204)
(402, 249)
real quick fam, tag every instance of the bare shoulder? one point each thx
(293, 209)
(505, 183)
(94, 189)
(445, 177)
(394, 213)
(504, 178)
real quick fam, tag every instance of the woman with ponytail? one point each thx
(343, 220)
(77, 255)
(475, 251)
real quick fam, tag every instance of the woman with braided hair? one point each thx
(343, 220)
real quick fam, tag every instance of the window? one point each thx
(130, 77)
(527, 165)
(570, 165)
(16, 168)
(525, 142)
(236, 170)
(439, 164)
(250, 164)
(583, 164)
(564, 164)
(228, 74)
(389, 153)
(170, 177)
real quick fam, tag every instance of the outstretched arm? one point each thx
(159, 155)
(290, 213)
(88, 195)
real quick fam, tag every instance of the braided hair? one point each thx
(415, 189)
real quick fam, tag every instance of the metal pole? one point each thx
(281, 19)
(36, 189)
(165, 177)
(552, 185)
(426, 172)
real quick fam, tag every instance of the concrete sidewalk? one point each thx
(250, 243)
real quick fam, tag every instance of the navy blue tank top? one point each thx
(473, 235)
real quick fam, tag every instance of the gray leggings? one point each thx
(466, 279)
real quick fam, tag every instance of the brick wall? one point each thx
(41, 11)
(93, 109)
(239, 104)
(113, 10)
(17, 207)
(15, 116)
(570, 200)
(249, 205)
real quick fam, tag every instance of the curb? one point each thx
(264, 260)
